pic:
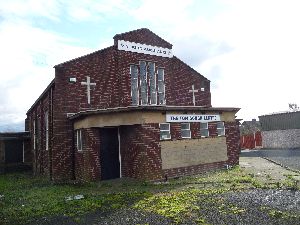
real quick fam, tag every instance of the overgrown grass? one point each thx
(24, 198)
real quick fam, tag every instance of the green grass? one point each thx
(24, 198)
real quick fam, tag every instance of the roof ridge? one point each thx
(142, 29)
(91, 53)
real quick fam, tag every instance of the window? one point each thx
(164, 131)
(143, 83)
(144, 87)
(47, 130)
(204, 130)
(152, 80)
(161, 86)
(79, 140)
(221, 128)
(185, 130)
(134, 85)
(38, 132)
(34, 135)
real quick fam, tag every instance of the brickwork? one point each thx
(140, 151)
(40, 156)
(87, 161)
(233, 142)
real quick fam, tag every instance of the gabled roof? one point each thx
(250, 127)
(52, 83)
(143, 36)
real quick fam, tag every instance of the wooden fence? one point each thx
(251, 141)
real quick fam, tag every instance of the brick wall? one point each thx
(140, 151)
(41, 158)
(87, 162)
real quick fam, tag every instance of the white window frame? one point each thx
(34, 135)
(79, 144)
(169, 130)
(137, 84)
(204, 129)
(222, 128)
(153, 93)
(47, 130)
(147, 83)
(164, 87)
(189, 129)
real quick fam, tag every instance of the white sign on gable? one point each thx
(145, 49)
(191, 118)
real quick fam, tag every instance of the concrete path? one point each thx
(266, 170)
(287, 157)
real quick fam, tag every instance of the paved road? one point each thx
(287, 157)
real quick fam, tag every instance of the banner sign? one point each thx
(191, 118)
(145, 49)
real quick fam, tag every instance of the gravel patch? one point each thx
(259, 207)
(120, 217)
(253, 207)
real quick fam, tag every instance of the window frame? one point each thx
(137, 84)
(79, 140)
(189, 129)
(163, 85)
(142, 86)
(34, 135)
(152, 94)
(46, 119)
(168, 130)
(204, 129)
(222, 128)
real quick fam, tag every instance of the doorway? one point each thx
(109, 153)
(13, 151)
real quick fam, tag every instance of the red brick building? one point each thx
(130, 110)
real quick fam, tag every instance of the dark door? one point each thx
(109, 153)
(13, 151)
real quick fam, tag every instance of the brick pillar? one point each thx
(233, 142)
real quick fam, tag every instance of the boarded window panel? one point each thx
(144, 86)
(134, 84)
(161, 86)
(152, 80)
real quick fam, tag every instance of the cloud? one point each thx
(30, 8)
(28, 55)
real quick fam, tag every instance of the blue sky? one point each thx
(248, 49)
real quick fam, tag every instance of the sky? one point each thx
(248, 49)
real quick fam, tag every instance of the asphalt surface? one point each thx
(287, 157)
